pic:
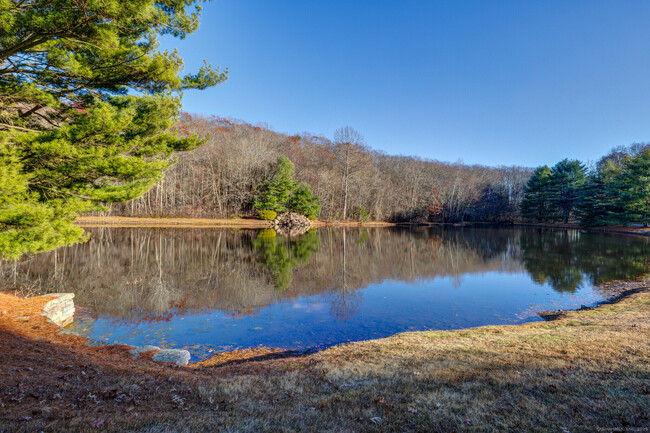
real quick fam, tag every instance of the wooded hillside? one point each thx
(221, 179)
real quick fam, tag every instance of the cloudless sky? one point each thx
(486, 81)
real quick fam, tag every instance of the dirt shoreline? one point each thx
(245, 223)
(539, 376)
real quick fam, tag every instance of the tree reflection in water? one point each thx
(141, 274)
(566, 260)
(282, 255)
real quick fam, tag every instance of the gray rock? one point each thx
(95, 343)
(138, 350)
(177, 356)
(60, 310)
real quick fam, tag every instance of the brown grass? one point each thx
(588, 371)
(118, 221)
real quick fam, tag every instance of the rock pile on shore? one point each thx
(291, 223)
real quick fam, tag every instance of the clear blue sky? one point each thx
(489, 82)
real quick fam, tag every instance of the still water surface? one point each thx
(210, 290)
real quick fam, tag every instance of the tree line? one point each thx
(615, 191)
(228, 175)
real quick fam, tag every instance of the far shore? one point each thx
(183, 222)
(622, 230)
(254, 223)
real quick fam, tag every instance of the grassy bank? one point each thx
(587, 371)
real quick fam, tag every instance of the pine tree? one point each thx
(598, 204)
(86, 106)
(274, 193)
(62, 55)
(567, 179)
(281, 193)
(535, 204)
(635, 188)
(27, 225)
(593, 207)
(303, 201)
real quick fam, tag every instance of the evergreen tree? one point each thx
(598, 203)
(593, 207)
(303, 201)
(27, 225)
(67, 54)
(281, 193)
(635, 188)
(566, 182)
(274, 193)
(535, 204)
(86, 106)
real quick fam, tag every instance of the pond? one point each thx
(211, 290)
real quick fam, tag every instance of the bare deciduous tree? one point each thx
(350, 149)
